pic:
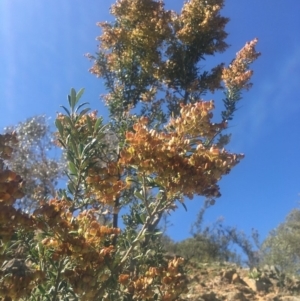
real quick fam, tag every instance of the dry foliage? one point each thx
(165, 147)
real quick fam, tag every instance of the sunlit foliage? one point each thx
(160, 146)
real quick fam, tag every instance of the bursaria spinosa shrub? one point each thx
(98, 238)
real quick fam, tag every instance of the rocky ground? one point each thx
(227, 282)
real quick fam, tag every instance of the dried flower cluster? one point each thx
(237, 75)
(105, 184)
(198, 21)
(178, 159)
(80, 241)
(152, 30)
(168, 280)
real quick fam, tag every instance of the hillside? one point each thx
(229, 282)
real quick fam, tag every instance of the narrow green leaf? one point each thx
(73, 99)
(71, 188)
(86, 149)
(184, 206)
(68, 112)
(138, 195)
(97, 124)
(41, 289)
(143, 217)
(79, 94)
(62, 143)
(84, 111)
(72, 168)
(80, 106)
(139, 219)
(70, 156)
(61, 285)
(81, 147)
(103, 127)
(59, 127)
(69, 177)
(89, 123)
(64, 194)
(74, 148)
(69, 100)
(151, 182)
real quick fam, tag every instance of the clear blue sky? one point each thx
(42, 44)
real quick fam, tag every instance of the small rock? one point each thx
(235, 278)
(236, 296)
(256, 285)
(228, 274)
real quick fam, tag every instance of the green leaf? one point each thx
(61, 285)
(74, 147)
(89, 123)
(68, 120)
(41, 289)
(83, 112)
(68, 112)
(69, 100)
(62, 143)
(86, 149)
(73, 99)
(184, 206)
(139, 219)
(138, 195)
(143, 217)
(72, 168)
(71, 188)
(80, 149)
(79, 94)
(151, 182)
(97, 124)
(80, 106)
(59, 127)
(70, 156)
(64, 194)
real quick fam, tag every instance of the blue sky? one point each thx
(42, 47)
